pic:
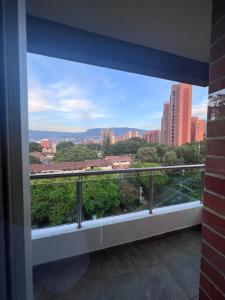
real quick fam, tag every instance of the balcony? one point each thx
(116, 251)
(160, 268)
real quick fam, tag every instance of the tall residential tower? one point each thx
(164, 138)
(198, 128)
(180, 114)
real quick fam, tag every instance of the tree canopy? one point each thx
(53, 202)
(75, 153)
(147, 154)
(129, 146)
(162, 150)
(191, 153)
(100, 195)
(170, 158)
(34, 160)
(63, 145)
(35, 147)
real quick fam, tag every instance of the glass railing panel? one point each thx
(176, 187)
(90, 196)
(53, 201)
(116, 194)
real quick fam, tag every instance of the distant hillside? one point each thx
(35, 135)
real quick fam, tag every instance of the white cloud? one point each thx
(64, 98)
(37, 105)
(200, 109)
(54, 127)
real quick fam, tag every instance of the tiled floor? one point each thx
(163, 268)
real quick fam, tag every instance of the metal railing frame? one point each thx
(152, 170)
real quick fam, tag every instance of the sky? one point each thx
(70, 96)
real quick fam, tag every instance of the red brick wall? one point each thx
(212, 277)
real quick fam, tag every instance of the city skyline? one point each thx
(73, 97)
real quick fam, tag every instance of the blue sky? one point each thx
(69, 96)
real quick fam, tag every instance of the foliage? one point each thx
(129, 146)
(147, 154)
(53, 202)
(34, 160)
(75, 153)
(64, 145)
(96, 147)
(170, 158)
(162, 150)
(35, 147)
(160, 177)
(191, 153)
(100, 195)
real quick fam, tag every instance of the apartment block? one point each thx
(152, 136)
(164, 138)
(180, 114)
(198, 128)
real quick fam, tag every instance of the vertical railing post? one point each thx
(79, 201)
(151, 192)
(202, 185)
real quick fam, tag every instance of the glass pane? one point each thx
(53, 202)
(110, 195)
(177, 187)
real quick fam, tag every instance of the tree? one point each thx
(100, 195)
(52, 202)
(147, 154)
(34, 160)
(129, 193)
(64, 145)
(170, 158)
(162, 150)
(96, 147)
(191, 153)
(129, 146)
(75, 153)
(35, 147)
(160, 177)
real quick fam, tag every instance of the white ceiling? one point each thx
(181, 27)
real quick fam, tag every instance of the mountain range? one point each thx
(93, 133)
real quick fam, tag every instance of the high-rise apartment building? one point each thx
(180, 114)
(119, 138)
(132, 134)
(107, 136)
(164, 137)
(152, 136)
(198, 128)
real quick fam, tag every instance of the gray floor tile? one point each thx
(115, 262)
(158, 284)
(85, 289)
(167, 248)
(142, 255)
(185, 269)
(124, 287)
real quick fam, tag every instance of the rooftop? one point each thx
(69, 166)
(165, 267)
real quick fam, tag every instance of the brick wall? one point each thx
(212, 277)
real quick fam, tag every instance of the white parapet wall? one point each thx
(54, 243)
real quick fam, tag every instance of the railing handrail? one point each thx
(114, 171)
